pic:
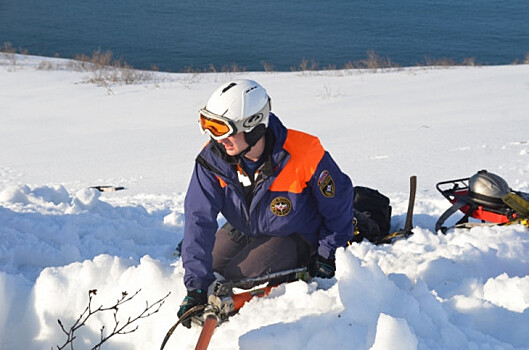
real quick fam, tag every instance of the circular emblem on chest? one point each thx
(281, 206)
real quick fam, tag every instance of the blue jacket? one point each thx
(302, 191)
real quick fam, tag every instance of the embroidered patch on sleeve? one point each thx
(326, 184)
(281, 206)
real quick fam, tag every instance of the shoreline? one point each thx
(372, 61)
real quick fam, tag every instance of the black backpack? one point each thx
(372, 215)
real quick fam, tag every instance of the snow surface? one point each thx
(59, 239)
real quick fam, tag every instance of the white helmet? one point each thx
(237, 106)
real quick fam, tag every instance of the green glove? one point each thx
(193, 298)
(324, 268)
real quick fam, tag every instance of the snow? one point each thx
(59, 238)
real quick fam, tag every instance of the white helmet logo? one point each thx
(253, 120)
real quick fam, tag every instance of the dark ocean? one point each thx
(177, 34)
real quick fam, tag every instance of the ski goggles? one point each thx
(220, 127)
(217, 126)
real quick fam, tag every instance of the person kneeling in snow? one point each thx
(286, 202)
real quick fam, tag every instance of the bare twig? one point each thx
(118, 328)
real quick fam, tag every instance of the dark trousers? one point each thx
(236, 256)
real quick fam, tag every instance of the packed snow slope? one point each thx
(59, 238)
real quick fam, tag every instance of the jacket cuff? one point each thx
(326, 252)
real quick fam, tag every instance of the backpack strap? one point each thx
(460, 203)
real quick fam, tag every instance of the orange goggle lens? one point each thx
(214, 126)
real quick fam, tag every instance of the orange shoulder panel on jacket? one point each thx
(306, 152)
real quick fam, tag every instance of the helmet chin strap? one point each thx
(252, 137)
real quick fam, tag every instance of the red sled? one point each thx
(457, 192)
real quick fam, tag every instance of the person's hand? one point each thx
(193, 298)
(324, 268)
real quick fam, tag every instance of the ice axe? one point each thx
(223, 302)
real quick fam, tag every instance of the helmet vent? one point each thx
(228, 87)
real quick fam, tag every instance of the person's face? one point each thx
(234, 144)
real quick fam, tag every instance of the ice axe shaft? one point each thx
(411, 203)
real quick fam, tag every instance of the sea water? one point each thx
(175, 35)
